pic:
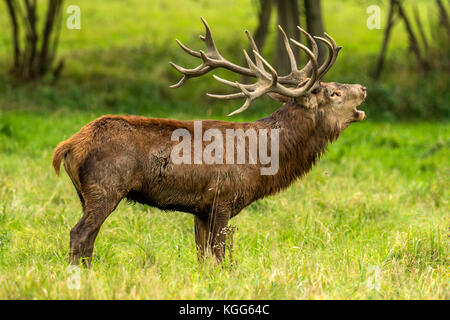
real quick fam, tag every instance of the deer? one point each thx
(119, 157)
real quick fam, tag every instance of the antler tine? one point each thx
(234, 85)
(251, 96)
(336, 50)
(259, 72)
(259, 63)
(314, 77)
(315, 51)
(227, 96)
(243, 108)
(188, 73)
(273, 72)
(289, 50)
(332, 56)
(264, 85)
(188, 50)
(210, 60)
(209, 41)
(296, 75)
(179, 83)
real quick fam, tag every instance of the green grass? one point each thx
(379, 199)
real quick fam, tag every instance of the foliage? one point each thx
(34, 51)
(121, 64)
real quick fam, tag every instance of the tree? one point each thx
(397, 10)
(34, 50)
(387, 35)
(288, 16)
(443, 16)
(314, 24)
(265, 11)
(413, 42)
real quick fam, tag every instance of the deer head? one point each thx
(334, 102)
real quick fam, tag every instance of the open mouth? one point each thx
(359, 115)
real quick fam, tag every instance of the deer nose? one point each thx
(364, 91)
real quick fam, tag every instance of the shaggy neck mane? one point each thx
(303, 137)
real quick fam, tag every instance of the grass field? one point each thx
(371, 221)
(376, 206)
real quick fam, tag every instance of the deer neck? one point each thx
(302, 140)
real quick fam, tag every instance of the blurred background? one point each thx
(118, 59)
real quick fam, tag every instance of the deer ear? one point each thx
(308, 101)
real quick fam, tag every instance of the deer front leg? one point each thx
(210, 235)
(201, 238)
(218, 235)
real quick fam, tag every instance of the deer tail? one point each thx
(60, 152)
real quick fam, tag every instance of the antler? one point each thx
(210, 60)
(266, 84)
(332, 56)
(295, 84)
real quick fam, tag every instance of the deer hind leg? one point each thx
(99, 202)
(210, 236)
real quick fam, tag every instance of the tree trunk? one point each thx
(288, 19)
(414, 45)
(46, 55)
(11, 5)
(260, 35)
(314, 23)
(384, 46)
(295, 12)
(420, 28)
(35, 57)
(443, 16)
(264, 14)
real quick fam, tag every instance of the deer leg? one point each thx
(218, 224)
(201, 237)
(89, 248)
(99, 203)
(210, 236)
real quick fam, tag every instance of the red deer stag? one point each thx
(116, 157)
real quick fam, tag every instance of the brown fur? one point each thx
(116, 157)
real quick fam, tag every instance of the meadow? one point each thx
(375, 206)
(371, 220)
